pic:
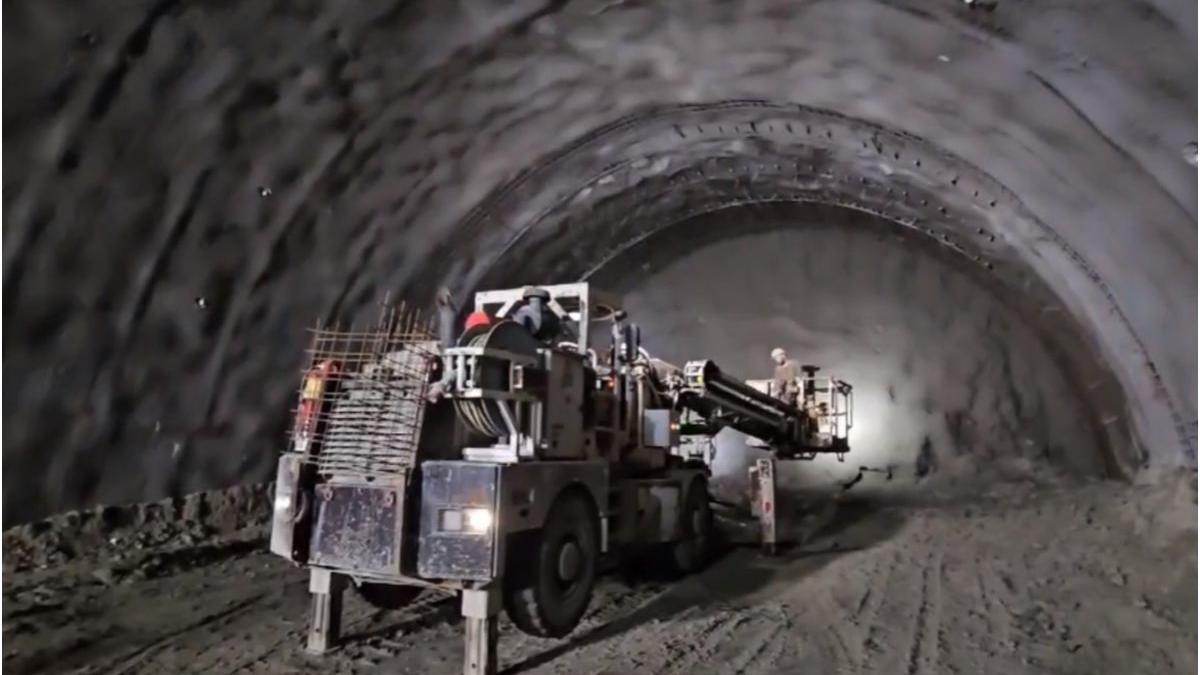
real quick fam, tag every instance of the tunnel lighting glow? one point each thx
(478, 520)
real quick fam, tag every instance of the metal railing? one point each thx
(831, 403)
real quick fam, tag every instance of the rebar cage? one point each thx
(363, 395)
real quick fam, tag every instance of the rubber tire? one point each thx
(388, 596)
(533, 598)
(694, 551)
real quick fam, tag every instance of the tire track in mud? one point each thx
(940, 644)
(910, 596)
(1002, 610)
(764, 651)
(709, 640)
(870, 619)
(671, 641)
(823, 636)
(274, 619)
(928, 621)
(993, 613)
(607, 628)
(370, 636)
(131, 661)
(126, 628)
(817, 616)
(695, 646)
(918, 637)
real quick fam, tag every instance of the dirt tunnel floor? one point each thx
(1094, 578)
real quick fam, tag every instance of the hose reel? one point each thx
(486, 415)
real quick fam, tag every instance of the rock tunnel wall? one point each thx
(188, 185)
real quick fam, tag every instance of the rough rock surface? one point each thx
(189, 185)
(131, 536)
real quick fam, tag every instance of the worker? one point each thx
(477, 318)
(446, 312)
(536, 315)
(785, 385)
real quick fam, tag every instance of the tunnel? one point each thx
(736, 184)
(949, 378)
(984, 219)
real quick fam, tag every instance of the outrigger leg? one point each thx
(767, 507)
(480, 608)
(325, 624)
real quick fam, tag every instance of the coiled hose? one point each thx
(481, 415)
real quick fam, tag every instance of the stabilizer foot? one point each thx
(764, 477)
(325, 622)
(480, 608)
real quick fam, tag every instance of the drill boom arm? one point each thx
(724, 401)
(730, 402)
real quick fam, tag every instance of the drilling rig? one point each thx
(511, 463)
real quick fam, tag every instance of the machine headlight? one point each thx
(283, 504)
(470, 521)
(477, 520)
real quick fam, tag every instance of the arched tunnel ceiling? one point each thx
(625, 182)
(958, 381)
(237, 170)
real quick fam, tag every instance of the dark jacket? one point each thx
(540, 320)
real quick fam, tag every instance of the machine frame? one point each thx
(541, 429)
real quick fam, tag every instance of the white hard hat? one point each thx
(778, 352)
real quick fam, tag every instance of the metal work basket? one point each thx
(369, 397)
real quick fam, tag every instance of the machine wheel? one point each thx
(388, 596)
(692, 552)
(548, 585)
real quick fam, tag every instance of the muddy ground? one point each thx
(1097, 577)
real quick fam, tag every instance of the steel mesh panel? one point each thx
(373, 402)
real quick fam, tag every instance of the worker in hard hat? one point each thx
(785, 385)
(476, 319)
(536, 315)
(446, 310)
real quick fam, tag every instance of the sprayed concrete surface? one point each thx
(986, 221)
